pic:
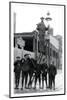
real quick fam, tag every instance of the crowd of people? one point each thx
(31, 72)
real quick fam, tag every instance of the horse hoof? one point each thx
(34, 88)
(53, 88)
(26, 87)
(17, 88)
(42, 88)
(21, 88)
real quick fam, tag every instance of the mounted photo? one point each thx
(36, 49)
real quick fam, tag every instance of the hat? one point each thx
(26, 55)
(17, 57)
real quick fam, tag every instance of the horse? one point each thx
(28, 68)
(34, 70)
(40, 70)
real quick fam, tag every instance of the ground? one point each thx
(58, 88)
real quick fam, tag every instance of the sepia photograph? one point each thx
(37, 49)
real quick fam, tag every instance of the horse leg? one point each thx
(42, 81)
(26, 76)
(35, 81)
(22, 80)
(30, 82)
(39, 81)
(46, 80)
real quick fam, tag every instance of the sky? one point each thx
(28, 16)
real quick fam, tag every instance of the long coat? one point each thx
(52, 70)
(17, 66)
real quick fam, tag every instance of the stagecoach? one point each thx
(40, 43)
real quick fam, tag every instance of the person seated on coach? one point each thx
(17, 71)
(52, 71)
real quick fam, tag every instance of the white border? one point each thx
(12, 57)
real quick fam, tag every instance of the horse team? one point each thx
(31, 72)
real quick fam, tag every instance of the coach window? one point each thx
(28, 44)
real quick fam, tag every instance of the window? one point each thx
(28, 44)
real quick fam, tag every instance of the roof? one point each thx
(25, 34)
